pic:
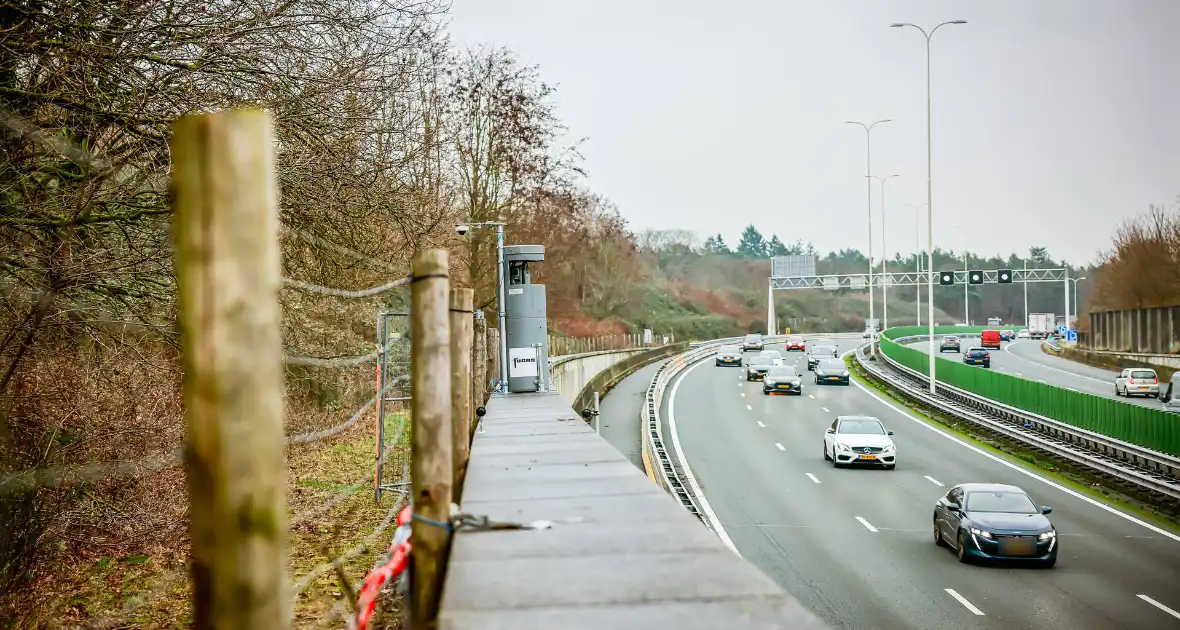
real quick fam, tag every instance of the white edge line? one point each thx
(1158, 605)
(780, 446)
(963, 600)
(813, 478)
(934, 481)
(714, 522)
(1047, 367)
(1028, 473)
(866, 524)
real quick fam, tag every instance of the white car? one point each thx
(1023, 334)
(773, 354)
(859, 440)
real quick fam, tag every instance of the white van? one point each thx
(1170, 395)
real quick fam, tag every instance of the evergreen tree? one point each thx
(715, 245)
(775, 247)
(751, 245)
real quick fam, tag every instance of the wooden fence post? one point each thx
(479, 363)
(225, 231)
(461, 332)
(494, 352)
(430, 446)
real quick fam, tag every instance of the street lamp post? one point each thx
(503, 350)
(884, 256)
(929, 186)
(869, 203)
(918, 256)
(1075, 298)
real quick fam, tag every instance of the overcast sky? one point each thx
(1053, 120)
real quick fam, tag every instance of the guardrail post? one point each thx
(430, 448)
(462, 329)
(227, 271)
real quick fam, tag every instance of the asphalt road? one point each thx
(1023, 358)
(856, 545)
(619, 413)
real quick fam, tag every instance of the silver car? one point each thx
(1170, 397)
(819, 353)
(1137, 382)
(729, 355)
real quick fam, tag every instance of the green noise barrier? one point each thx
(1143, 426)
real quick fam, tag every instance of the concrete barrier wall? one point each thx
(571, 374)
(1144, 331)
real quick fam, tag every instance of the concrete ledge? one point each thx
(622, 552)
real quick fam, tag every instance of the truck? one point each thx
(1041, 325)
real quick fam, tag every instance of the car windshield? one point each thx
(762, 362)
(783, 372)
(1006, 502)
(753, 337)
(861, 427)
(977, 352)
(831, 365)
(728, 350)
(794, 339)
(950, 338)
(823, 350)
(1142, 374)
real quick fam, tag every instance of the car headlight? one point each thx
(844, 373)
(981, 532)
(819, 372)
(890, 448)
(1047, 535)
(795, 382)
(770, 381)
(752, 370)
(843, 447)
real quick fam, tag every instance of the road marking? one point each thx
(1039, 364)
(1021, 470)
(780, 446)
(963, 600)
(743, 394)
(826, 410)
(1018, 374)
(811, 395)
(761, 425)
(933, 480)
(749, 408)
(867, 525)
(813, 478)
(714, 522)
(1158, 605)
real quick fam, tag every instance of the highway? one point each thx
(1023, 358)
(856, 545)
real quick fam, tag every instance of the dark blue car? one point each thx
(993, 521)
(978, 356)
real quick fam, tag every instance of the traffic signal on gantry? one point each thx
(1004, 276)
(946, 278)
(975, 276)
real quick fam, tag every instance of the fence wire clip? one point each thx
(479, 522)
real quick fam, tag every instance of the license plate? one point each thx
(1144, 387)
(1018, 547)
(833, 378)
(868, 457)
(784, 387)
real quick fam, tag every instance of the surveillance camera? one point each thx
(462, 229)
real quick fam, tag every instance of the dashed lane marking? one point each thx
(933, 480)
(1158, 605)
(813, 478)
(867, 525)
(963, 600)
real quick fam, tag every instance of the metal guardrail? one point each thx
(667, 476)
(1129, 463)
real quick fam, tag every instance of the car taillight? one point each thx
(987, 356)
(1132, 380)
(1155, 380)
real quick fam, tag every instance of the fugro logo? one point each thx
(517, 361)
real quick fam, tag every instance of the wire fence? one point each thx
(24, 482)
